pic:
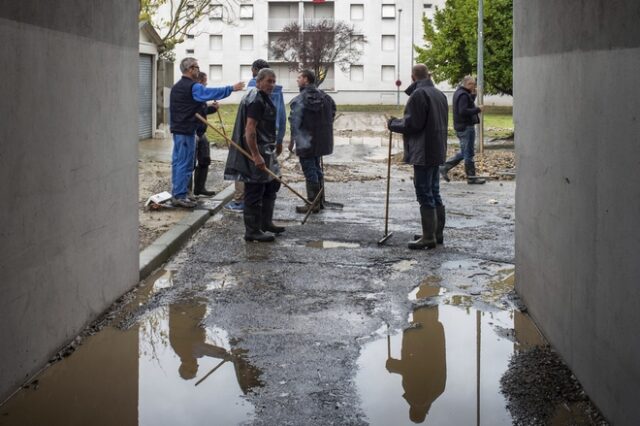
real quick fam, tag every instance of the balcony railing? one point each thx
(276, 24)
(308, 22)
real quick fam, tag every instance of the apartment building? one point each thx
(238, 32)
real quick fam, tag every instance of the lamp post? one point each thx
(480, 82)
(398, 82)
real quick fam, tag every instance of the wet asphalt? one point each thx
(323, 326)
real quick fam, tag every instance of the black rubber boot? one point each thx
(442, 218)
(470, 170)
(312, 193)
(448, 165)
(200, 180)
(268, 204)
(252, 223)
(328, 204)
(429, 219)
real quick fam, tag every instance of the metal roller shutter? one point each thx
(145, 96)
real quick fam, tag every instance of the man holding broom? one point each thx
(255, 131)
(424, 132)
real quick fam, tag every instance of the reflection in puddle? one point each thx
(170, 369)
(331, 244)
(445, 369)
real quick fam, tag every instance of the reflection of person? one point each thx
(203, 153)
(312, 114)
(465, 117)
(185, 101)
(424, 131)
(255, 131)
(188, 341)
(423, 363)
(277, 96)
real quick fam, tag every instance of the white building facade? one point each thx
(231, 38)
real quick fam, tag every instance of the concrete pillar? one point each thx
(68, 167)
(577, 117)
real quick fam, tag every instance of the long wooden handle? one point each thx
(250, 157)
(386, 207)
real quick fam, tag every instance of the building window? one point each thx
(215, 72)
(388, 73)
(388, 11)
(191, 36)
(246, 42)
(190, 51)
(246, 11)
(388, 42)
(245, 72)
(357, 12)
(356, 73)
(216, 12)
(428, 5)
(215, 42)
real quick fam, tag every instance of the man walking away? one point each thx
(424, 132)
(187, 97)
(203, 150)
(255, 131)
(277, 97)
(465, 117)
(311, 119)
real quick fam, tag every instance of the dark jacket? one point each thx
(238, 166)
(277, 97)
(465, 112)
(182, 107)
(311, 119)
(204, 111)
(424, 125)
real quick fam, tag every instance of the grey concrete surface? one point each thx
(68, 163)
(578, 200)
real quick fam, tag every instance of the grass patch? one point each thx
(498, 120)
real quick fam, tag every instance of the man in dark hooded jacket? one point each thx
(255, 131)
(311, 118)
(424, 131)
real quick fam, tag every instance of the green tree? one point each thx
(450, 52)
(182, 17)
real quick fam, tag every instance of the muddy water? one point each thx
(445, 367)
(166, 369)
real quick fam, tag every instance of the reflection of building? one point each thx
(188, 340)
(231, 38)
(423, 363)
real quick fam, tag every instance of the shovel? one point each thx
(387, 235)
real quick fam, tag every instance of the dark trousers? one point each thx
(311, 169)
(426, 180)
(254, 193)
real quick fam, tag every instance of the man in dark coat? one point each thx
(311, 118)
(465, 117)
(255, 131)
(424, 131)
(203, 151)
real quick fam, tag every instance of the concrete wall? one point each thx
(68, 167)
(577, 115)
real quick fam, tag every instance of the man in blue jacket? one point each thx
(186, 99)
(277, 97)
(465, 117)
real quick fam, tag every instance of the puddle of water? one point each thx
(403, 265)
(325, 244)
(444, 371)
(169, 369)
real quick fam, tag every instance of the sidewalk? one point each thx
(162, 232)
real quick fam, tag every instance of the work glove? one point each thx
(389, 121)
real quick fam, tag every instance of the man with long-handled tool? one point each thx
(424, 132)
(255, 131)
(311, 118)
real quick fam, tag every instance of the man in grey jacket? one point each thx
(424, 132)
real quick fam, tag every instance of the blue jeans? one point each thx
(311, 169)
(467, 148)
(184, 151)
(426, 180)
